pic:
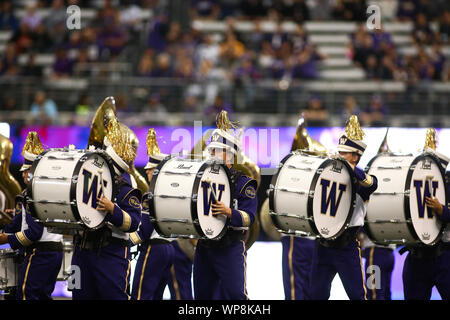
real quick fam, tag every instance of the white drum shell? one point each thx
(386, 218)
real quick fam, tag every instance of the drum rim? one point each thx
(73, 185)
(194, 214)
(351, 210)
(406, 198)
(273, 183)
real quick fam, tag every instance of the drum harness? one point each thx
(426, 252)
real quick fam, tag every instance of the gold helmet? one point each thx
(351, 140)
(431, 145)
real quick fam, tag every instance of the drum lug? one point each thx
(311, 193)
(194, 197)
(75, 179)
(407, 192)
(150, 195)
(200, 174)
(319, 171)
(196, 222)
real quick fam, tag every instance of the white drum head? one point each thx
(333, 199)
(426, 180)
(88, 189)
(213, 226)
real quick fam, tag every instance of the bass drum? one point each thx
(312, 195)
(397, 212)
(181, 194)
(64, 186)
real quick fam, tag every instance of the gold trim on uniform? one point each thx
(245, 270)
(26, 275)
(126, 221)
(128, 273)
(291, 267)
(245, 185)
(362, 271)
(374, 291)
(245, 218)
(368, 181)
(134, 236)
(23, 239)
(142, 272)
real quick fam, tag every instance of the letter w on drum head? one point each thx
(333, 200)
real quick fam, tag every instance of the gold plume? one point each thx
(152, 143)
(104, 114)
(120, 140)
(430, 140)
(33, 144)
(353, 129)
(224, 123)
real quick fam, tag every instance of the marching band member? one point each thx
(383, 257)
(429, 266)
(103, 255)
(42, 250)
(343, 255)
(220, 265)
(156, 253)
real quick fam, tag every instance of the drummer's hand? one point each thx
(3, 238)
(10, 211)
(434, 204)
(221, 208)
(104, 204)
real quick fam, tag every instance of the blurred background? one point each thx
(170, 62)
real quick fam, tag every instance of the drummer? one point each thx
(220, 265)
(156, 253)
(42, 250)
(426, 267)
(343, 255)
(103, 255)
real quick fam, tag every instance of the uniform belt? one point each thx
(342, 241)
(229, 238)
(98, 239)
(430, 252)
(46, 246)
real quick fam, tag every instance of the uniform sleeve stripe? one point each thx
(135, 238)
(126, 221)
(23, 239)
(245, 218)
(368, 181)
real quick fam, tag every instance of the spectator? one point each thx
(350, 108)
(163, 67)
(55, 22)
(375, 114)
(43, 110)
(306, 67)
(184, 68)
(156, 112)
(218, 105)
(157, 35)
(299, 39)
(63, 65)
(298, 11)
(23, 39)
(111, 40)
(406, 10)
(437, 59)
(9, 110)
(277, 38)
(205, 9)
(32, 19)
(208, 50)
(106, 14)
(252, 9)
(9, 65)
(131, 16)
(81, 64)
(423, 65)
(321, 11)
(8, 20)
(145, 67)
(444, 27)
(388, 9)
(422, 33)
(315, 114)
(31, 69)
(190, 104)
(231, 49)
(83, 106)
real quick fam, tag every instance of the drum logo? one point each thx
(425, 236)
(97, 163)
(182, 166)
(337, 166)
(209, 196)
(418, 184)
(332, 200)
(209, 232)
(91, 190)
(324, 231)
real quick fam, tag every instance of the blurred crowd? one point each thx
(172, 48)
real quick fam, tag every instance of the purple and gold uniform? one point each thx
(156, 254)
(343, 255)
(220, 265)
(42, 253)
(103, 256)
(297, 256)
